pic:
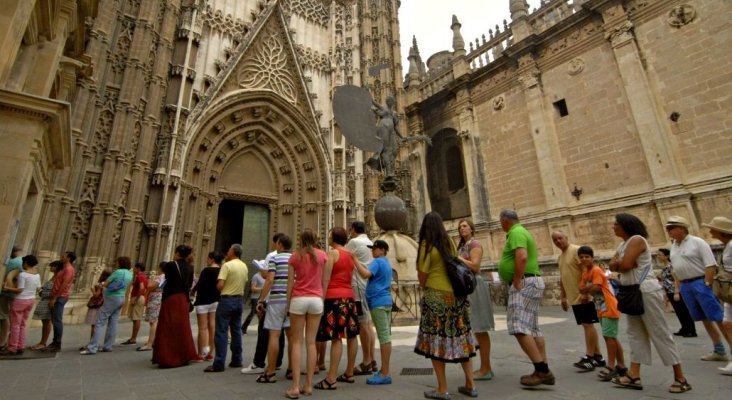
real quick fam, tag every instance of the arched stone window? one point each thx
(446, 176)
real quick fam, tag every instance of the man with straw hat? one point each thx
(694, 268)
(721, 229)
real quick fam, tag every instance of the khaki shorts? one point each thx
(137, 310)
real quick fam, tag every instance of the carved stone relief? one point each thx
(575, 66)
(681, 15)
(311, 10)
(267, 68)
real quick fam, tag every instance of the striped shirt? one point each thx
(279, 265)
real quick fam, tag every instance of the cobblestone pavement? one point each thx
(127, 374)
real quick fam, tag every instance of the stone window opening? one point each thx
(446, 179)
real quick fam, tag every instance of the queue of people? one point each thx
(310, 295)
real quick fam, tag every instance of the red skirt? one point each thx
(173, 346)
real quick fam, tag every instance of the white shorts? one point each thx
(727, 312)
(306, 305)
(207, 308)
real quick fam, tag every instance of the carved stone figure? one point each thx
(389, 137)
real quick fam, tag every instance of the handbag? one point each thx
(95, 301)
(461, 277)
(630, 298)
(722, 283)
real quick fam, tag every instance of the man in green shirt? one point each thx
(519, 268)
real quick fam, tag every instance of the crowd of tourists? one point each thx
(306, 297)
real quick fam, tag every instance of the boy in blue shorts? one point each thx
(378, 298)
(594, 284)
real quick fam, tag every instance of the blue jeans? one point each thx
(228, 316)
(108, 315)
(57, 319)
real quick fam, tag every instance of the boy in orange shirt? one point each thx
(594, 284)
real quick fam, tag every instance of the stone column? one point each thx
(473, 161)
(548, 156)
(13, 23)
(653, 133)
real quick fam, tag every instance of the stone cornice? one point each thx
(55, 114)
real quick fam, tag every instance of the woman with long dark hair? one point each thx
(444, 334)
(173, 346)
(633, 262)
(305, 306)
(207, 299)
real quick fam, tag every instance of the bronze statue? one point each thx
(387, 133)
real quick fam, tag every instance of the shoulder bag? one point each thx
(461, 277)
(722, 283)
(630, 298)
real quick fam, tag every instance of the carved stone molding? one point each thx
(530, 78)
(575, 66)
(681, 15)
(311, 10)
(620, 34)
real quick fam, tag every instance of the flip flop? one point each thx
(144, 348)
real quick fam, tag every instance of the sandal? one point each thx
(629, 382)
(325, 385)
(267, 378)
(345, 378)
(291, 395)
(679, 387)
(606, 374)
(39, 346)
(129, 341)
(362, 369)
(305, 392)
(288, 374)
(144, 348)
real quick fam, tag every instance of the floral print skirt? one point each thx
(444, 329)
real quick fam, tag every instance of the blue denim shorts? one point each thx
(700, 301)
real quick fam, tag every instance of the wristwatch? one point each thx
(709, 284)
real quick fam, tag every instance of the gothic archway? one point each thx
(255, 147)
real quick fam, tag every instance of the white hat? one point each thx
(720, 224)
(261, 264)
(677, 221)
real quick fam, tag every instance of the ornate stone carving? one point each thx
(681, 15)
(225, 24)
(575, 66)
(620, 34)
(267, 68)
(499, 103)
(301, 147)
(276, 153)
(288, 188)
(530, 78)
(312, 58)
(80, 226)
(90, 188)
(311, 10)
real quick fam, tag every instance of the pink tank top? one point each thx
(308, 275)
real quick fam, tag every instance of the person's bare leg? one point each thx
(726, 329)
(211, 332)
(712, 330)
(202, 332)
(45, 332)
(468, 372)
(135, 330)
(311, 328)
(336, 350)
(151, 336)
(385, 349)
(321, 347)
(364, 335)
(273, 347)
(297, 323)
(352, 352)
(530, 346)
(484, 341)
(439, 368)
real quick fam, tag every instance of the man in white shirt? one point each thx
(358, 245)
(694, 268)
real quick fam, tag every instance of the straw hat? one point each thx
(720, 224)
(677, 221)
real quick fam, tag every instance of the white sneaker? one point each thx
(714, 356)
(726, 370)
(252, 370)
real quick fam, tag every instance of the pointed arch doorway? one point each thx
(246, 223)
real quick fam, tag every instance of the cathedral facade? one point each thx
(138, 125)
(574, 112)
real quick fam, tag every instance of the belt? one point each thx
(231, 296)
(692, 279)
(531, 275)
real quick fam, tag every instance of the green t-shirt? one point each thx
(434, 266)
(516, 238)
(14, 264)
